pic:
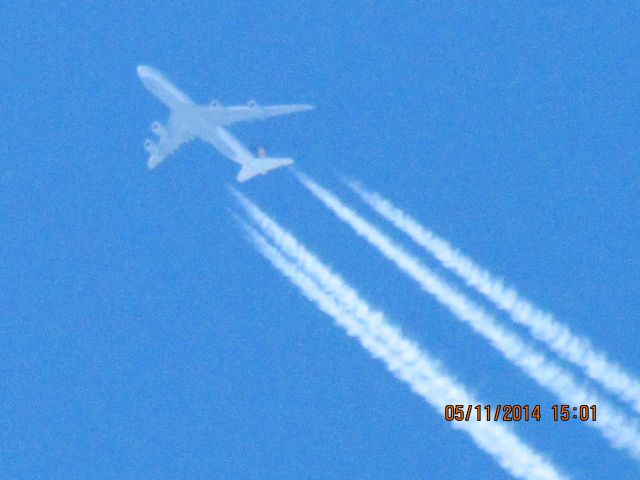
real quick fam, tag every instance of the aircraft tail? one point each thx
(260, 166)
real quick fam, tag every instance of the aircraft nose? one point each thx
(144, 71)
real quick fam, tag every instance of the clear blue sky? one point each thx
(143, 337)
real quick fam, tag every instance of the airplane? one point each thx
(188, 121)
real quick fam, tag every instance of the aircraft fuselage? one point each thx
(188, 121)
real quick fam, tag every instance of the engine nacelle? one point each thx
(215, 104)
(158, 129)
(252, 104)
(150, 147)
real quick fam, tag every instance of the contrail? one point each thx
(385, 342)
(617, 428)
(542, 325)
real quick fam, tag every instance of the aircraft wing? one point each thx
(170, 139)
(259, 112)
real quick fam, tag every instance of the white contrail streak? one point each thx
(542, 325)
(385, 342)
(616, 427)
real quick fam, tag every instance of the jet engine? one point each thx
(215, 104)
(252, 104)
(150, 147)
(158, 129)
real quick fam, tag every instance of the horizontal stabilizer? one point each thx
(260, 166)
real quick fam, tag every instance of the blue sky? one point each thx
(143, 337)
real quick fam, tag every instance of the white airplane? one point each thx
(188, 121)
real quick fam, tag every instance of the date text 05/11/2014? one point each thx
(517, 413)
